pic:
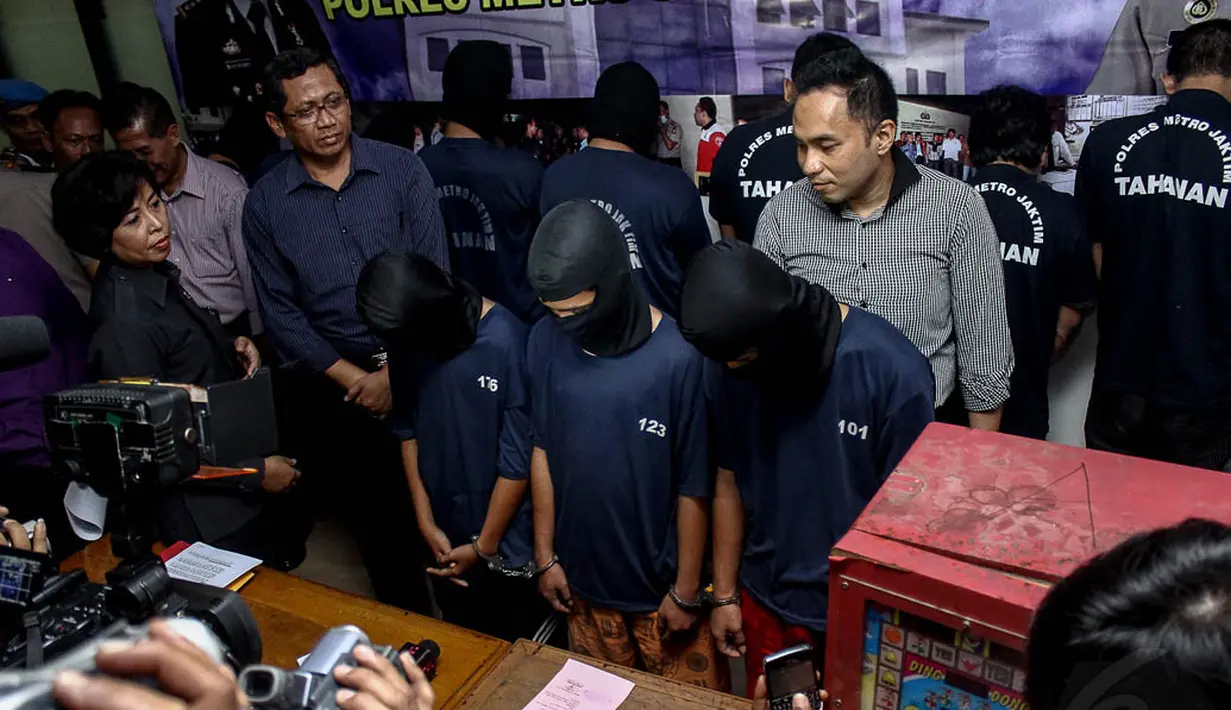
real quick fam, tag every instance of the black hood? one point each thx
(417, 308)
(477, 81)
(578, 247)
(625, 107)
(736, 299)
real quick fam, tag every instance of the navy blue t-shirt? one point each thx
(471, 417)
(625, 437)
(804, 477)
(489, 197)
(656, 207)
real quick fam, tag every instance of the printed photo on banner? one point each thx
(394, 50)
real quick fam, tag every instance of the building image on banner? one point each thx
(554, 50)
(923, 50)
(559, 51)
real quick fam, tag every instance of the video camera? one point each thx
(131, 441)
(312, 686)
(31, 690)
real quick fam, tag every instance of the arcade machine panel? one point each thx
(932, 590)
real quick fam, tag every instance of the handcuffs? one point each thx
(530, 570)
(495, 563)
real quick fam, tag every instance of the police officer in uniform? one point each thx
(222, 45)
(1155, 192)
(739, 192)
(1133, 62)
(1049, 279)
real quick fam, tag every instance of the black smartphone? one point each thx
(790, 672)
(22, 574)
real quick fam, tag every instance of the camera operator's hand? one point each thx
(377, 685)
(249, 356)
(15, 535)
(280, 474)
(187, 678)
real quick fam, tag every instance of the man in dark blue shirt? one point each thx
(813, 405)
(758, 160)
(458, 368)
(656, 207)
(489, 196)
(619, 471)
(1049, 279)
(310, 225)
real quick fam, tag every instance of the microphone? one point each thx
(23, 342)
(425, 654)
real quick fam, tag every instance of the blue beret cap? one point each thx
(15, 93)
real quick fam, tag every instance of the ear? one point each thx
(1170, 83)
(173, 132)
(788, 91)
(883, 136)
(46, 141)
(275, 124)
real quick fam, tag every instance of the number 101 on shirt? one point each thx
(853, 429)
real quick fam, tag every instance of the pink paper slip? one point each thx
(581, 687)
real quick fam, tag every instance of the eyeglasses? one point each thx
(333, 103)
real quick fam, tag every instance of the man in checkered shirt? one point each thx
(902, 241)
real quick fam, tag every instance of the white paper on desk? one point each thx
(581, 687)
(209, 565)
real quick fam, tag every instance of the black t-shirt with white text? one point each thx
(1154, 191)
(757, 161)
(1047, 264)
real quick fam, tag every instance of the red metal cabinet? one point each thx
(932, 590)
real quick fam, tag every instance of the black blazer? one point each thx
(146, 325)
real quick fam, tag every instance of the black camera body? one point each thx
(71, 610)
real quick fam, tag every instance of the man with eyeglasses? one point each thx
(68, 127)
(310, 225)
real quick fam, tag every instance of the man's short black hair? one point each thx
(293, 64)
(709, 107)
(1203, 49)
(1009, 124)
(870, 96)
(663, 104)
(1150, 617)
(131, 106)
(90, 199)
(57, 102)
(954, 132)
(816, 47)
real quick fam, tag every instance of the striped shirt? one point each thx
(208, 239)
(307, 244)
(928, 262)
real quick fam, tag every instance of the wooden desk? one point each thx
(293, 614)
(527, 667)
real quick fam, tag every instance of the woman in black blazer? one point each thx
(145, 325)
